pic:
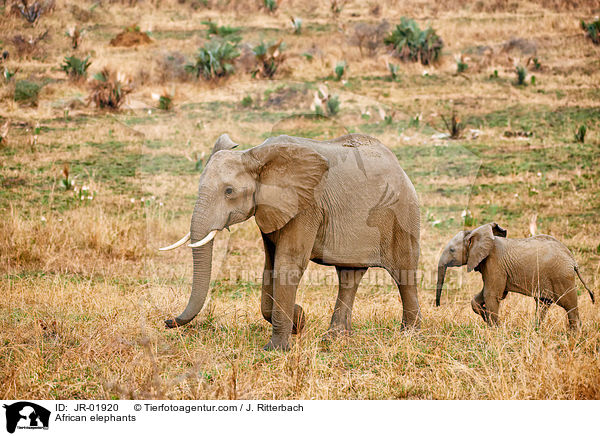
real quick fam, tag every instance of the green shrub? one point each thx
(592, 30)
(580, 134)
(270, 5)
(27, 92)
(76, 68)
(394, 69)
(297, 25)
(269, 58)
(225, 32)
(165, 101)
(333, 105)
(339, 70)
(214, 60)
(521, 75)
(247, 101)
(410, 43)
(108, 90)
(461, 65)
(9, 74)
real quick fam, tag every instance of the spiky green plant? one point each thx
(521, 75)
(339, 70)
(297, 25)
(75, 67)
(108, 91)
(394, 69)
(580, 134)
(269, 57)
(410, 43)
(592, 30)
(9, 74)
(333, 105)
(165, 102)
(214, 60)
(461, 65)
(225, 32)
(270, 5)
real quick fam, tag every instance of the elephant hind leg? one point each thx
(349, 279)
(572, 314)
(406, 280)
(568, 301)
(541, 309)
(299, 319)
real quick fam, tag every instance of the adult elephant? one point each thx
(344, 202)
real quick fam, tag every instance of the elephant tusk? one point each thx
(177, 244)
(206, 240)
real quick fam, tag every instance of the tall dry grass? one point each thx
(85, 292)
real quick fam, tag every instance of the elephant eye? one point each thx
(452, 250)
(228, 191)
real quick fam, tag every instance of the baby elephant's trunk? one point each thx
(585, 286)
(440, 283)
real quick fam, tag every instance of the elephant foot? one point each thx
(274, 345)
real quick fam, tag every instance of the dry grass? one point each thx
(85, 291)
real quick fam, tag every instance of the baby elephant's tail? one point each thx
(584, 285)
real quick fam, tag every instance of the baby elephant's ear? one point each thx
(498, 231)
(479, 243)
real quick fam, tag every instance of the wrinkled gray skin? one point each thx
(540, 266)
(345, 202)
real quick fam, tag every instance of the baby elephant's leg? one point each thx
(567, 299)
(541, 309)
(478, 305)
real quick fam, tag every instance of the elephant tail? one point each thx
(584, 285)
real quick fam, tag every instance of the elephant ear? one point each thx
(224, 142)
(498, 231)
(288, 176)
(480, 242)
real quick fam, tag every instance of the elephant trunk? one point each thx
(441, 275)
(202, 261)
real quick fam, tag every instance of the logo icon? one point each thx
(26, 415)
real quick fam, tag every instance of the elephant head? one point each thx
(467, 247)
(273, 182)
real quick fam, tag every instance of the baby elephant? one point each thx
(540, 266)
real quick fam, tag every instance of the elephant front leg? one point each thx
(492, 308)
(478, 305)
(494, 288)
(349, 279)
(285, 313)
(266, 299)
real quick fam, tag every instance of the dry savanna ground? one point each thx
(84, 290)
